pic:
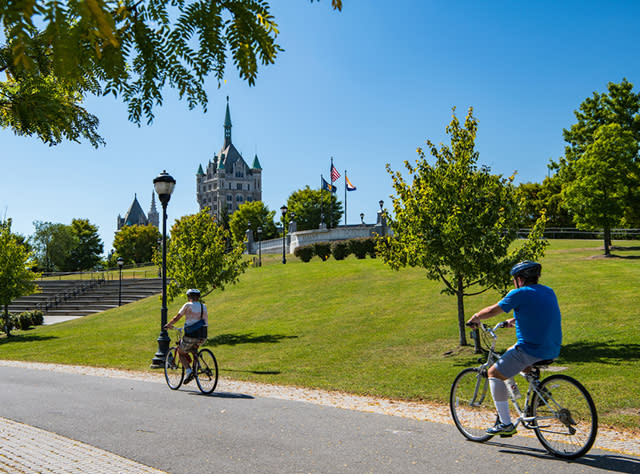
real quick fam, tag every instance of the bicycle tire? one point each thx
(206, 371)
(173, 369)
(472, 420)
(567, 424)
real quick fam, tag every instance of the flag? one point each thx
(334, 173)
(347, 183)
(328, 187)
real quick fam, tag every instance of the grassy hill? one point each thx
(357, 326)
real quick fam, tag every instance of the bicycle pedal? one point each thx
(506, 435)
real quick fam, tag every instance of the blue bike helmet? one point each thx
(526, 269)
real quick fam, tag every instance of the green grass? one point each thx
(357, 326)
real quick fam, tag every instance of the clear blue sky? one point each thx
(367, 85)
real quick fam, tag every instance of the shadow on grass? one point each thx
(607, 352)
(256, 372)
(235, 339)
(25, 338)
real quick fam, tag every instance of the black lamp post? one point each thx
(164, 184)
(284, 210)
(120, 263)
(382, 223)
(259, 246)
(362, 218)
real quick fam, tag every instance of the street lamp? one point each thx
(362, 218)
(259, 246)
(284, 210)
(163, 184)
(120, 263)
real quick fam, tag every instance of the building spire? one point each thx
(227, 126)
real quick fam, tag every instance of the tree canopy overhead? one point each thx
(57, 51)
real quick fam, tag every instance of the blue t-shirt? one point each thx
(538, 325)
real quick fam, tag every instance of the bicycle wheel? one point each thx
(566, 420)
(471, 405)
(207, 371)
(173, 369)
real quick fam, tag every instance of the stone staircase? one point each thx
(68, 299)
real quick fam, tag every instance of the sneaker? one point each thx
(504, 431)
(188, 378)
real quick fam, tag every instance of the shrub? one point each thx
(370, 244)
(24, 321)
(340, 249)
(37, 317)
(322, 250)
(304, 253)
(358, 247)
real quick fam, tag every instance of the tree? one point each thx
(620, 106)
(251, 215)
(603, 177)
(128, 48)
(198, 257)
(87, 253)
(545, 197)
(16, 278)
(457, 221)
(54, 243)
(136, 243)
(310, 204)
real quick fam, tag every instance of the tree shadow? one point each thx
(256, 372)
(235, 339)
(25, 338)
(625, 249)
(607, 352)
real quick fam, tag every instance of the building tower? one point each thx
(228, 180)
(153, 217)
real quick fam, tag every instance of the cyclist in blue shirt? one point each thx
(538, 329)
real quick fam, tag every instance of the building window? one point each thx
(239, 186)
(239, 198)
(229, 197)
(230, 207)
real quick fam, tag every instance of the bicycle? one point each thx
(204, 366)
(558, 408)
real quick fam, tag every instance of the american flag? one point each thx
(334, 174)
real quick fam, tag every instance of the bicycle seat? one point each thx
(543, 363)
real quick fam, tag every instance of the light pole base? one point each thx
(163, 347)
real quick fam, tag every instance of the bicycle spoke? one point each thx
(206, 371)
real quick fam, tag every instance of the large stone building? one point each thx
(135, 215)
(228, 180)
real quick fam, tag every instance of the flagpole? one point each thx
(321, 200)
(345, 197)
(330, 192)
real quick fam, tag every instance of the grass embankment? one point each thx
(357, 326)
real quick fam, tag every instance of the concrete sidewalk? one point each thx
(29, 450)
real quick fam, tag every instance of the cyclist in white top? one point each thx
(193, 310)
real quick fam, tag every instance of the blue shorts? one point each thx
(513, 361)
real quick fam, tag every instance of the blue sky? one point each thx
(367, 85)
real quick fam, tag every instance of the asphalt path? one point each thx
(186, 432)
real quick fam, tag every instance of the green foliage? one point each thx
(457, 221)
(340, 249)
(54, 243)
(603, 178)
(251, 215)
(605, 122)
(199, 256)
(16, 279)
(136, 243)
(304, 252)
(25, 320)
(309, 205)
(322, 250)
(537, 199)
(86, 255)
(358, 247)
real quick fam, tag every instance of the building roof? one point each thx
(256, 164)
(135, 215)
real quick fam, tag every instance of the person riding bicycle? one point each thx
(537, 321)
(193, 310)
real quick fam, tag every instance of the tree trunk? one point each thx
(7, 328)
(461, 320)
(607, 241)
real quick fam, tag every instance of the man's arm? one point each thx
(485, 313)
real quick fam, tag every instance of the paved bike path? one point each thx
(185, 432)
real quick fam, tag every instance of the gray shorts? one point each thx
(513, 361)
(190, 344)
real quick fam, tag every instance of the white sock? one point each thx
(500, 399)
